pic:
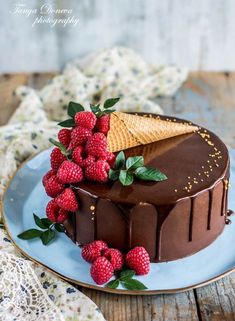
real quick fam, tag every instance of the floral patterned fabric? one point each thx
(116, 72)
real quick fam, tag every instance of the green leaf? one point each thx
(39, 222)
(67, 123)
(46, 222)
(47, 236)
(125, 177)
(126, 274)
(109, 111)
(120, 160)
(110, 102)
(95, 108)
(133, 284)
(113, 284)
(134, 162)
(74, 108)
(60, 146)
(59, 227)
(113, 174)
(30, 234)
(149, 174)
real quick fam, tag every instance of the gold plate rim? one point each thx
(90, 286)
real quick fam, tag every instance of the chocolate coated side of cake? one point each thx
(171, 219)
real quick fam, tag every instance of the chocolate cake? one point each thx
(171, 219)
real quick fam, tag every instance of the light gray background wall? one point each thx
(196, 34)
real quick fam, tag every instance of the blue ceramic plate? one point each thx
(26, 195)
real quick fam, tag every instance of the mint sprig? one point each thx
(47, 231)
(63, 149)
(126, 170)
(125, 278)
(100, 111)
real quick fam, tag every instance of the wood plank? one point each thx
(216, 301)
(115, 307)
(8, 84)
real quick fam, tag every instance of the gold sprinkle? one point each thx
(92, 218)
(217, 165)
(202, 166)
(199, 174)
(176, 190)
(92, 207)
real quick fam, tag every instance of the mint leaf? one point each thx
(126, 274)
(125, 177)
(67, 123)
(113, 174)
(30, 234)
(113, 284)
(133, 284)
(59, 227)
(74, 108)
(47, 236)
(134, 162)
(60, 146)
(95, 108)
(109, 111)
(120, 160)
(149, 174)
(110, 102)
(39, 222)
(46, 222)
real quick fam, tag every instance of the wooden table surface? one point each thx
(209, 100)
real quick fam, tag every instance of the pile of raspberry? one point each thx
(86, 158)
(107, 261)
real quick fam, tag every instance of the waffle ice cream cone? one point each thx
(128, 130)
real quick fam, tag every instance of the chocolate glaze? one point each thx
(171, 219)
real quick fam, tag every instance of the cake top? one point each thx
(192, 162)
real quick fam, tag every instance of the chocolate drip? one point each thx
(228, 221)
(126, 213)
(190, 234)
(162, 213)
(209, 209)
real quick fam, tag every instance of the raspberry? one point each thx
(93, 250)
(67, 200)
(57, 158)
(109, 157)
(79, 136)
(101, 270)
(54, 213)
(77, 155)
(97, 145)
(115, 257)
(85, 119)
(102, 124)
(97, 171)
(70, 172)
(64, 136)
(87, 161)
(53, 187)
(47, 176)
(138, 260)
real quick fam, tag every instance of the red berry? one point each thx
(77, 155)
(64, 136)
(79, 136)
(97, 171)
(102, 124)
(53, 186)
(97, 145)
(47, 176)
(88, 161)
(109, 157)
(57, 159)
(85, 119)
(138, 260)
(67, 200)
(70, 172)
(115, 257)
(101, 270)
(93, 250)
(54, 213)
